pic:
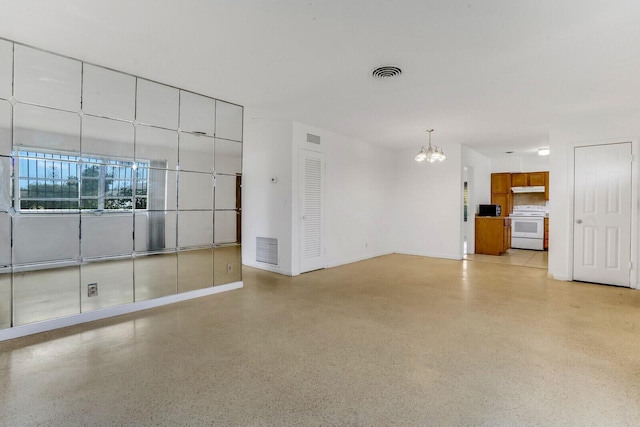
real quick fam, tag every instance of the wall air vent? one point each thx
(386, 72)
(267, 250)
(314, 139)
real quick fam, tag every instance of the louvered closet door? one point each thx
(312, 191)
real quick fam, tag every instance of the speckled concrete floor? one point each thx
(396, 340)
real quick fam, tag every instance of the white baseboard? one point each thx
(267, 267)
(76, 319)
(562, 277)
(357, 259)
(430, 255)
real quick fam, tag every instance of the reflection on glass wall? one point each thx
(128, 194)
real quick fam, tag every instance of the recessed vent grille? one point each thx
(314, 139)
(386, 72)
(267, 250)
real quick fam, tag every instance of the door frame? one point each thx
(633, 256)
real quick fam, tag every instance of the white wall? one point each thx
(359, 183)
(565, 131)
(520, 163)
(428, 205)
(479, 186)
(267, 206)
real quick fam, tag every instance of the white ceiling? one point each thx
(490, 74)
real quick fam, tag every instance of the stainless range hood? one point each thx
(531, 189)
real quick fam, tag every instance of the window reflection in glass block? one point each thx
(45, 294)
(45, 128)
(226, 227)
(195, 191)
(46, 182)
(158, 147)
(228, 121)
(195, 269)
(62, 242)
(195, 153)
(226, 192)
(155, 276)
(108, 93)
(46, 79)
(157, 104)
(109, 139)
(5, 240)
(114, 280)
(228, 157)
(195, 228)
(155, 231)
(106, 234)
(197, 113)
(156, 189)
(107, 185)
(6, 69)
(5, 128)
(227, 263)
(5, 184)
(5, 300)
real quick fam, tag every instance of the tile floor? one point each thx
(522, 257)
(395, 340)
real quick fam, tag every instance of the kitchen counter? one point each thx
(493, 235)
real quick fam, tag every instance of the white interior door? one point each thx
(311, 207)
(602, 214)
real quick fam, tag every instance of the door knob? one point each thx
(578, 221)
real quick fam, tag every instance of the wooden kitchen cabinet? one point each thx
(527, 179)
(504, 200)
(546, 234)
(493, 235)
(519, 180)
(535, 178)
(501, 183)
(546, 185)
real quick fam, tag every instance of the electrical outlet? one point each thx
(229, 268)
(92, 290)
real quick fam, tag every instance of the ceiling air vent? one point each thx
(314, 139)
(386, 72)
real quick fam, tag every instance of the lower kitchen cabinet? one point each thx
(493, 235)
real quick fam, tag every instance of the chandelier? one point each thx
(430, 154)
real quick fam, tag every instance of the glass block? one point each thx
(109, 139)
(195, 269)
(197, 113)
(195, 191)
(107, 187)
(155, 231)
(5, 300)
(5, 240)
(45, 294)
(5, 128)
(226, 227)
(46, 79)
(156, 189)
(227, 265)
(158, 147)
(155, 276)
(195, 153)
(114, 280)
(157, 104)
(226, 190)
(195, 228)
(5, 184)
(46, 182)
(228, 121)
(6, 69)
(108, 93)
(38, 127)
(228, 157)
(106, 234)
(62, 242)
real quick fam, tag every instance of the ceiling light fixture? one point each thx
(430, 153)
(543, 151)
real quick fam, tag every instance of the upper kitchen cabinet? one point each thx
(527, 179)
(546, 185)
(228, 121)
(46, 79)
(501, 183)
(6, 69)
(108, 93)
(197, 113)
(158, 105)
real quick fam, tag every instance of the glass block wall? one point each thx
(113, 188)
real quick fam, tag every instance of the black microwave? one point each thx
(489, 210)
